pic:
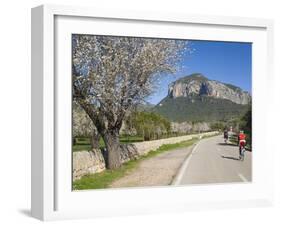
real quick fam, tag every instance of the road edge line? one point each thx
(177, 179)
(242, 177)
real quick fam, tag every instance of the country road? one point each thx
(212, 161)
(209, 161)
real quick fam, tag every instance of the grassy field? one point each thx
(83, 144)
(105, 178)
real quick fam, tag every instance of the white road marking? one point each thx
(183, 168)
(243, 178)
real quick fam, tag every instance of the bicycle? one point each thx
(225, 140)
(242, 151)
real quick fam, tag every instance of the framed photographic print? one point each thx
(136, 112)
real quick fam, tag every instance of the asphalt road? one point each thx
(213, 161)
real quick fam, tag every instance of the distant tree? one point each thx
(201, 127)
(246, 124)
(150, 125)
(83, 126)
(181, 128)
(127, 127)
(218, 126)
(246, 121)
(112, 74)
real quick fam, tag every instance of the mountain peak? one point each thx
(197, 84)
(194, 76)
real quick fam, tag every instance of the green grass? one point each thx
(105, 178)
(83, 143)
(81, 147)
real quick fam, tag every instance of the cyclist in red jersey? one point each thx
(241, 141)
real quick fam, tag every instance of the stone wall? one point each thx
(147, 146)
(87, 162)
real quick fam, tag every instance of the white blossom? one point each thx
(113, 74)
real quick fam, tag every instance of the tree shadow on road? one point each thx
(229, 157)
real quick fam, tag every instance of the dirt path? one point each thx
(155, 171)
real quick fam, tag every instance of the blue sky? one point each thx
(228, 62)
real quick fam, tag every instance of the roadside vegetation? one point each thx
(246, 125)
(148, 125)
(138, 126)
(84, 143)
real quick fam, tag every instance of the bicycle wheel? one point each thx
(242, 154)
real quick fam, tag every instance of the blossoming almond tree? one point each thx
(113, 74)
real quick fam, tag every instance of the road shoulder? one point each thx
(159, 170)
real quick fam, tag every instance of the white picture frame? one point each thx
(51, 196)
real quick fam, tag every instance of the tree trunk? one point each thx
(146, 137)
(109, 135)
(95, 140)
(73, 141)
(113, 150)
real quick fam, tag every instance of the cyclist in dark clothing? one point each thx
(225, 135)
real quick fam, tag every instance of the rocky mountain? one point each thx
(197, 84)
(196, 98)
